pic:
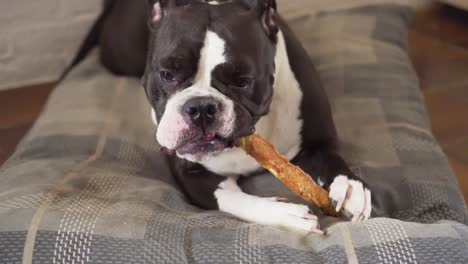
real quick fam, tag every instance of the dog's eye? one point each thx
(243, 82)
(167, 76)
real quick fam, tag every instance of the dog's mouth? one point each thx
(201, 146)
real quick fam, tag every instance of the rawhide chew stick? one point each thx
(290, 175)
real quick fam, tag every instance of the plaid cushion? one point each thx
(87, 185)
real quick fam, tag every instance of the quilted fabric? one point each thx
(87, 184)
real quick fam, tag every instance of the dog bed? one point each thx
(88, 185)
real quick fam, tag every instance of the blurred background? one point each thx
(29, 70)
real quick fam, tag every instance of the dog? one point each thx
(217, 71)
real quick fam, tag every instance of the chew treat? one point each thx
(292, 176)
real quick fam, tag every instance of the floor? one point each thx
(439, 50)
(438, 47)
(19, 108)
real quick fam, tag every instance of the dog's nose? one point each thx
(201, 111)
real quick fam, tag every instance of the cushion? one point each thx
(87, 184)
(39, 38)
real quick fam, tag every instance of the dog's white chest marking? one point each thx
(282, 126)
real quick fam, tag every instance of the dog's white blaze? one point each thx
(212, 55)
(282, 126)
(171, 125)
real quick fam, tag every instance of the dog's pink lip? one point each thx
(209, 143)
(167, 151)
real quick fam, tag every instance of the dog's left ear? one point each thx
(159, 8)
(267, 13)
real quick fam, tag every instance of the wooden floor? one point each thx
(438, 48)
(19, 108)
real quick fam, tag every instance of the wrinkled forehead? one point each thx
(186, 28)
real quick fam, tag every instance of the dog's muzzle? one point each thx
(197, 122)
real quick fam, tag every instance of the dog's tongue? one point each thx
(210, 136)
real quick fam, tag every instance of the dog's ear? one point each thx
(159, 8)
(267, 12)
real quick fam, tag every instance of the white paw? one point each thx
(287, 215)
(267, 211)
(351, 196)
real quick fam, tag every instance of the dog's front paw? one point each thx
(267, 211)
(352, 196)
(275, 212)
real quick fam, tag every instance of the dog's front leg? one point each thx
(347, 191)
(267, 211)
(210, 191)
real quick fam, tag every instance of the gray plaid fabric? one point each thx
(87, 184)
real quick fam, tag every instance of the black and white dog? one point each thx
(220, 70)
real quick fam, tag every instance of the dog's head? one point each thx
(210, 71)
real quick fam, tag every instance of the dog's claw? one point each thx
(317, 231)
(310, 217)
(339, 204)
(278, 199)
